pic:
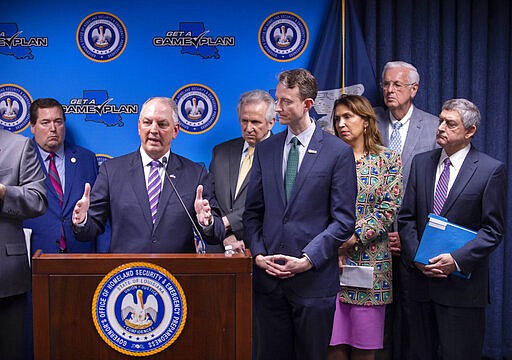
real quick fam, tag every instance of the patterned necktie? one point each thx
(395, 142)
(154, 185)
(442, 187)
(292, 167)
(244, 169)
(55, 180)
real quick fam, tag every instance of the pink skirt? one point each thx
(361, 327)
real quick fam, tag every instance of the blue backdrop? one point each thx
(461, 49)
(64, 70)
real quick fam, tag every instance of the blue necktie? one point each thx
(292, 167)
(395, 142)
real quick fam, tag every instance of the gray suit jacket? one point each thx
(421, 137)
(25, 197)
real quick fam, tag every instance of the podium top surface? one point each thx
(99, 263)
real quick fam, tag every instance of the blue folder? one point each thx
(441, 236)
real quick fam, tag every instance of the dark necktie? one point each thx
(292, 167)
(442, 187)
(55, 180)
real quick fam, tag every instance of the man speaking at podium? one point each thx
(147, 213)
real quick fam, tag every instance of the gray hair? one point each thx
(256, 97)
(169, 101)
(413, 75)
(468, 111)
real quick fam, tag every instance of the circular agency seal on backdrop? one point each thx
(283, 36)
(101, 37)
(139, 309)
(198, 108)
(14, 107)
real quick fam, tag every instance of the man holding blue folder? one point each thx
(468, 188)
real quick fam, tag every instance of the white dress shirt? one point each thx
(304, 138)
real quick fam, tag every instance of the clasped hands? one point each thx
(439, 267)
(283, 266)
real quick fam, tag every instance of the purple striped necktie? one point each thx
(154, 185)
(55, 180)
(442, 187)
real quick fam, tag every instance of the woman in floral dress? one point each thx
(358, 328)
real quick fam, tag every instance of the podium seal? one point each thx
(139, 309)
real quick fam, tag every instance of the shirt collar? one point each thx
(405, 119)
(146, 159)
(59, 153)
(457, 159)
(246, 144)
(304, 137)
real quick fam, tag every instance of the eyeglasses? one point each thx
(396, 84)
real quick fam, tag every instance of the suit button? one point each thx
(285, 220)
(154, 240)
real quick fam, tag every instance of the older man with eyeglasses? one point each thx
(409, 131)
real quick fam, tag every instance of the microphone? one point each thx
(198, 239)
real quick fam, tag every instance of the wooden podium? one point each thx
(218, 292)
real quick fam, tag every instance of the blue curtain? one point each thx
(461, 49)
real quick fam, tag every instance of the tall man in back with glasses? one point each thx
(409, 131)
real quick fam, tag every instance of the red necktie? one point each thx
(55, 180)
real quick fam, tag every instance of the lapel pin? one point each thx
(311, 151)
(73, 160)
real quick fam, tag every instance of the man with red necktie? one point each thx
(67, 168)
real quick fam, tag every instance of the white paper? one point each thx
(357, 276)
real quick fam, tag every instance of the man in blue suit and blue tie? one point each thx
(300, 208)
(67, 168)
(468, 188)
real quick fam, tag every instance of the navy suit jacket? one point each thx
(81, 167)
(477, 201)
(120, 195)
(317, 219)
(421, 137)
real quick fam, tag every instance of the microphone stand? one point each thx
(198, 239)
